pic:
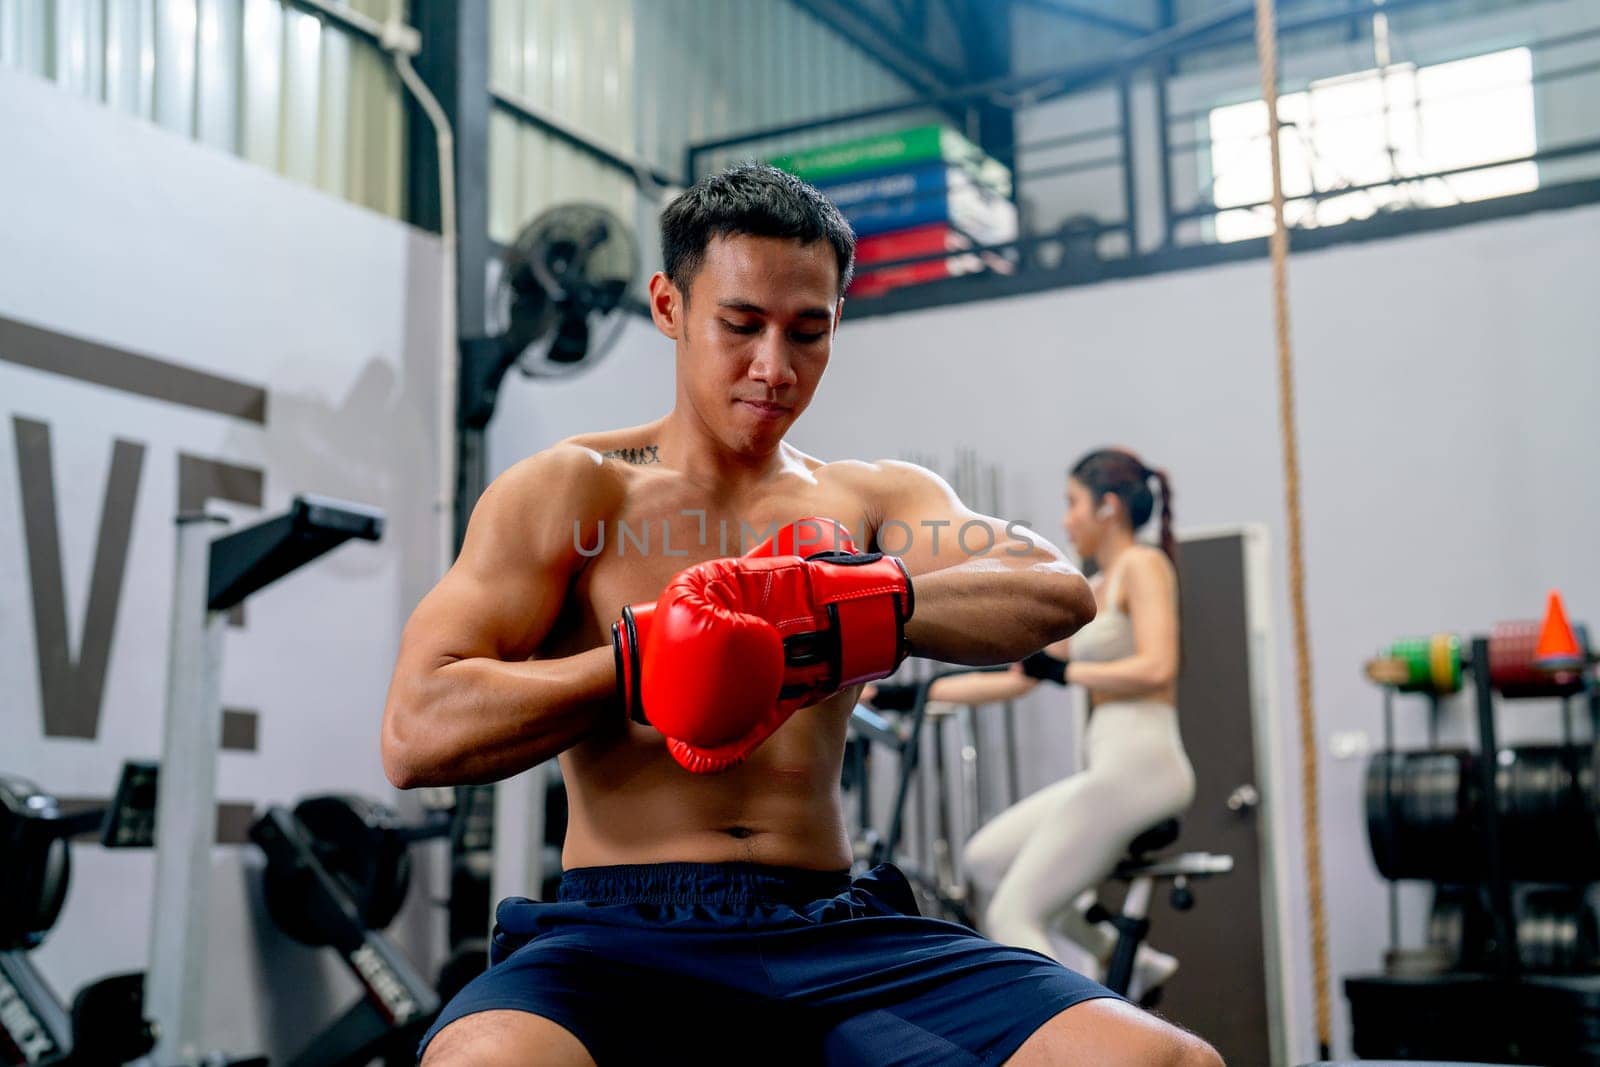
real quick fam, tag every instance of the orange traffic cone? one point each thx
(1557, 649)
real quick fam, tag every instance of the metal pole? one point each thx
(519, 814)
(1388, 809)
(971, 789)
(645, 176)
(941, 863)
(186, 801)
(1129, 185)
(1013, 773)
(1503, 916)
(1169, 229)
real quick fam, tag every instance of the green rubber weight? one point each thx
(1433, 663)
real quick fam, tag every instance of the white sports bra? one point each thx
(1110, 635)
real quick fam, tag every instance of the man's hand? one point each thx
(733, 647)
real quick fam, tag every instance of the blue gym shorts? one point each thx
(700, 963)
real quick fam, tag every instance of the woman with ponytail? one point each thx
(1033, 862)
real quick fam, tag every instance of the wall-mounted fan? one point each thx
(559, 303)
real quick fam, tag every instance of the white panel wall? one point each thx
(205, 261)
(576, 60)
(258, 78)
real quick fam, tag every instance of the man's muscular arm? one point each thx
(466, 704)
(983, 596)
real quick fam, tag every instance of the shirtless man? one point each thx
(707, 914)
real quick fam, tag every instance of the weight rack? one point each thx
(1497, 1010)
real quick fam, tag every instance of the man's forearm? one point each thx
(988, 611)
(483, 720)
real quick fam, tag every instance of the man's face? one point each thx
(755, 337)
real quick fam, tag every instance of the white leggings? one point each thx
(1033, 860)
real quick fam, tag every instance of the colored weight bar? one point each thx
(1434, 664)
(1429, 664)
(1514, 669)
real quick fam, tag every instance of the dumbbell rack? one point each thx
(1498, 1012)
(1507, 958)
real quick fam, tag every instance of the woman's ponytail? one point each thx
(1169, 544)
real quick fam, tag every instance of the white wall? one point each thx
(632, 383)
(1447, 385)
(124, 234)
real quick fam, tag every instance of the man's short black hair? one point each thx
(754, 199)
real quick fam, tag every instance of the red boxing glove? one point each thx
(734, 647)
(630, 634)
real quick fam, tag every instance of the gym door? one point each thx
(1221, 990)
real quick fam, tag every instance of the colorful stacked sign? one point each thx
(917, 192)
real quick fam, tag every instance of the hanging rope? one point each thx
(1267, 53)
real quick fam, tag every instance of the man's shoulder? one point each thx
(882, 485)
(527, 514)
(565, 473)
(866, 472)
(564, 459)
(634, 446)
(591, 472)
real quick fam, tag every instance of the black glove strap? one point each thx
(628, 671)
(844, 559)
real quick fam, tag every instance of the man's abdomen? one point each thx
(631, 803)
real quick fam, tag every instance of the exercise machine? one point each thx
(338, 870)
(212, 576)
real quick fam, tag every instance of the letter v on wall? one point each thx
(71, 688)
